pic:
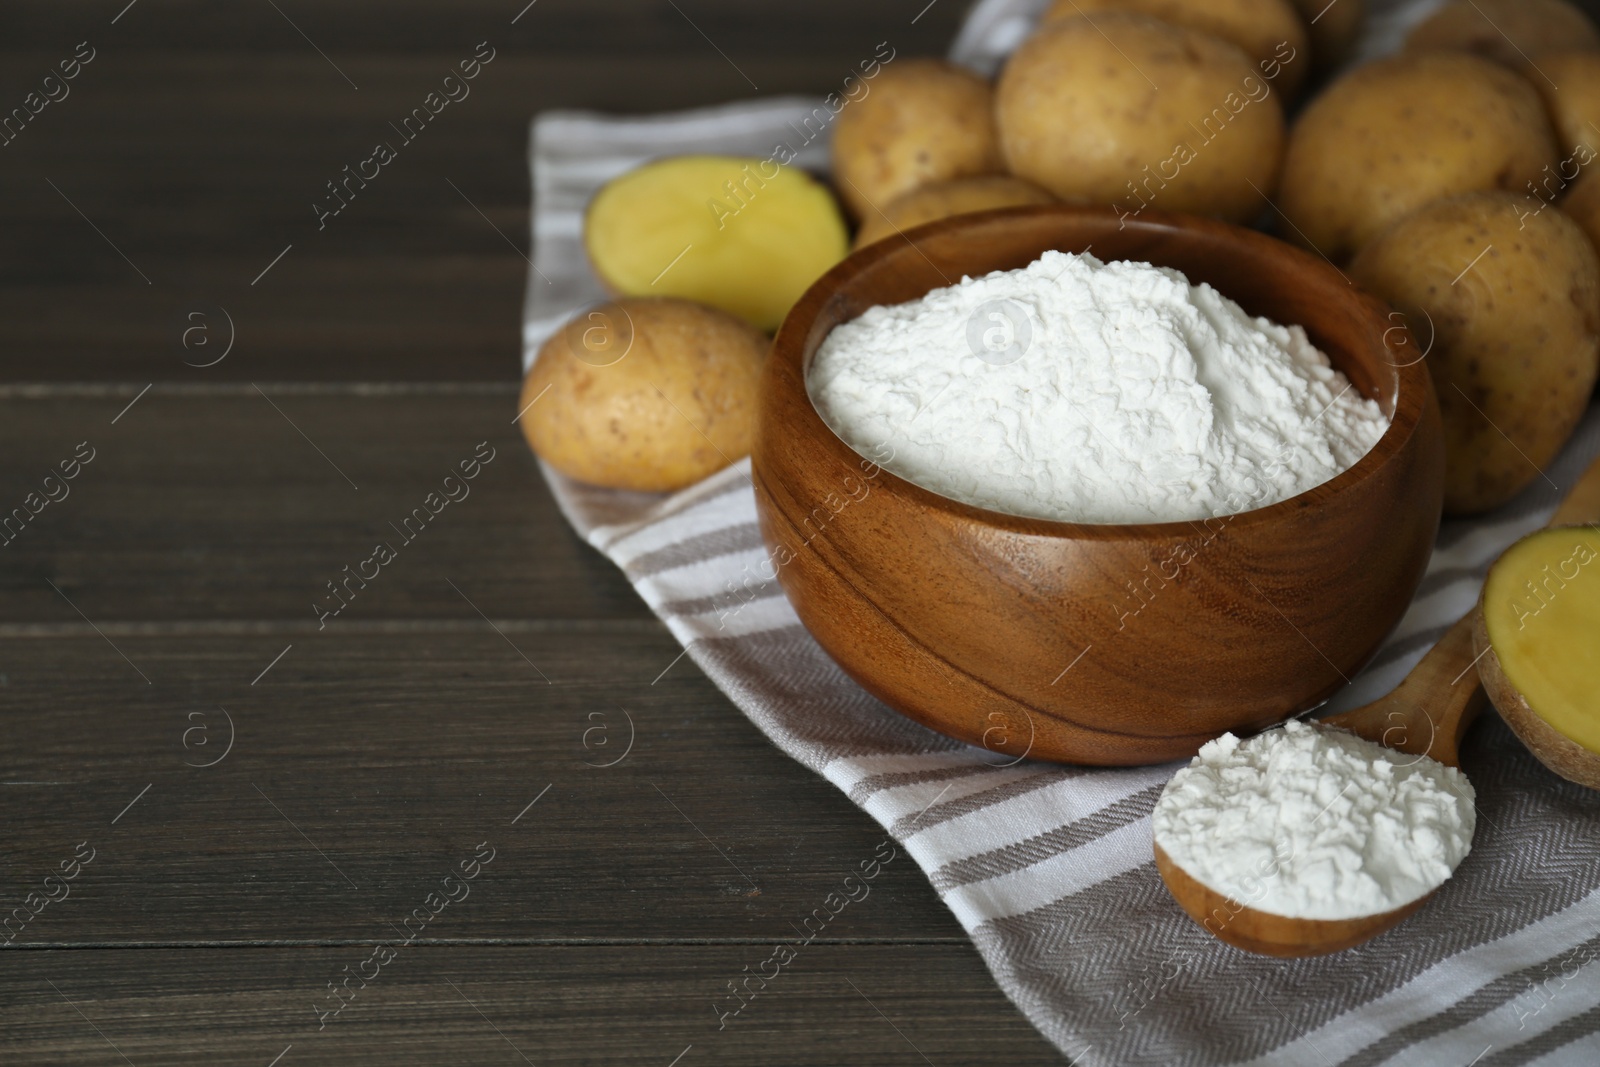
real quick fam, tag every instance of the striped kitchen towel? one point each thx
(1049, 868)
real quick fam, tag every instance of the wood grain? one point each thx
(365, 765)
(214, 506)
(885, 1005)
(966, 619)
(410, 728)
(199, 136)
(1429, 712)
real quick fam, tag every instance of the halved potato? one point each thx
(745, 235)
(1538, 633)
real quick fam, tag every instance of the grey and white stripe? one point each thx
(1049, 868)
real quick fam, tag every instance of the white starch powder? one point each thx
(1094, 392)
(1312, 822)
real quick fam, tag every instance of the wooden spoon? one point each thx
(1426, 715)
(1445, 679)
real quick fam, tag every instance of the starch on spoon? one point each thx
(1313, 822)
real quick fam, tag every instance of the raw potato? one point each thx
(1270, 31)
(650, 395)
(1538, 636)
(1575, 106)
(942, 200)
(1334, 33)
(1512, 32)
(1358, 161)
(1582, 205)
(1080, 114)
(925, 120)
(1512, 304)
(745, 235)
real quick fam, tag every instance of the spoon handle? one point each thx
(1428, 713)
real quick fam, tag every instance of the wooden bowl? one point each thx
(1093, 643)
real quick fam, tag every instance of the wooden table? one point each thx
(262, 799)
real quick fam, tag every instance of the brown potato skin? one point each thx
(1080, 115)
(1574, 108)
(1334, 33)
(1515, 344)
(925, 120)
(1259, 27)
(1510, 32)
(942, 200)
(679, 405)
(1582, 205)
(1395, 134)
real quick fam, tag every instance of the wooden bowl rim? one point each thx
(1412, 382)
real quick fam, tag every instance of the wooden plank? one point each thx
(649, 1006)
(199, 137)
(365, 766)
(245, 504)
(611, 31)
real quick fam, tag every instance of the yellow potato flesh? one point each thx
(1542, 611)
(745, 235)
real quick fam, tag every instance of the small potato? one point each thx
(651, 394)
(1512, 302)
(925, 120)
(1582, 205)
(1335, 26)
(1081, 115)
(1511, 32)
(1270, 31)
(1395, 134)
(1575, 105)
(942, 200)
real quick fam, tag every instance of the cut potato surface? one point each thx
(1541, 611)
(745, 235)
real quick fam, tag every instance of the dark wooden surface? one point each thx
(138, 614)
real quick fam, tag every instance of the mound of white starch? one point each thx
(1095, 392)
(1313, 822)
